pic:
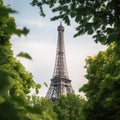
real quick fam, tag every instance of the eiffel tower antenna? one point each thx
(60, 82)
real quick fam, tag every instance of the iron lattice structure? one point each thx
(60, 82)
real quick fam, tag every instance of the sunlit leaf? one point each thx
(38, 86)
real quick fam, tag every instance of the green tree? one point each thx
(101, 18)
(69, 107)
(15, 81)
(42, 108)
(102, 90)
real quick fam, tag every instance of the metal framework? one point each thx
(60, 83)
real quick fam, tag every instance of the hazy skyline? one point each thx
(41, 44)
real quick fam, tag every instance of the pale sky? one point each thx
(41, 44)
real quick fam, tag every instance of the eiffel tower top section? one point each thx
(60, 69)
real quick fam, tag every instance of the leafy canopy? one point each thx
(15, 81)
(69, 107)
(102, 90)
(100, 18)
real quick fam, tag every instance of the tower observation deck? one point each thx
(60, 82)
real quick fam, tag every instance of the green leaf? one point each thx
(5, 11)
(24, 55)
(25, 31)
(38, 86)
(46, 85)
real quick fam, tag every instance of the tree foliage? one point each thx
(41, 109)
(101, 18)
(102, 89)
(15, 81)
(70, 107)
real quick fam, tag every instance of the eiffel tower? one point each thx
(60, 82)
